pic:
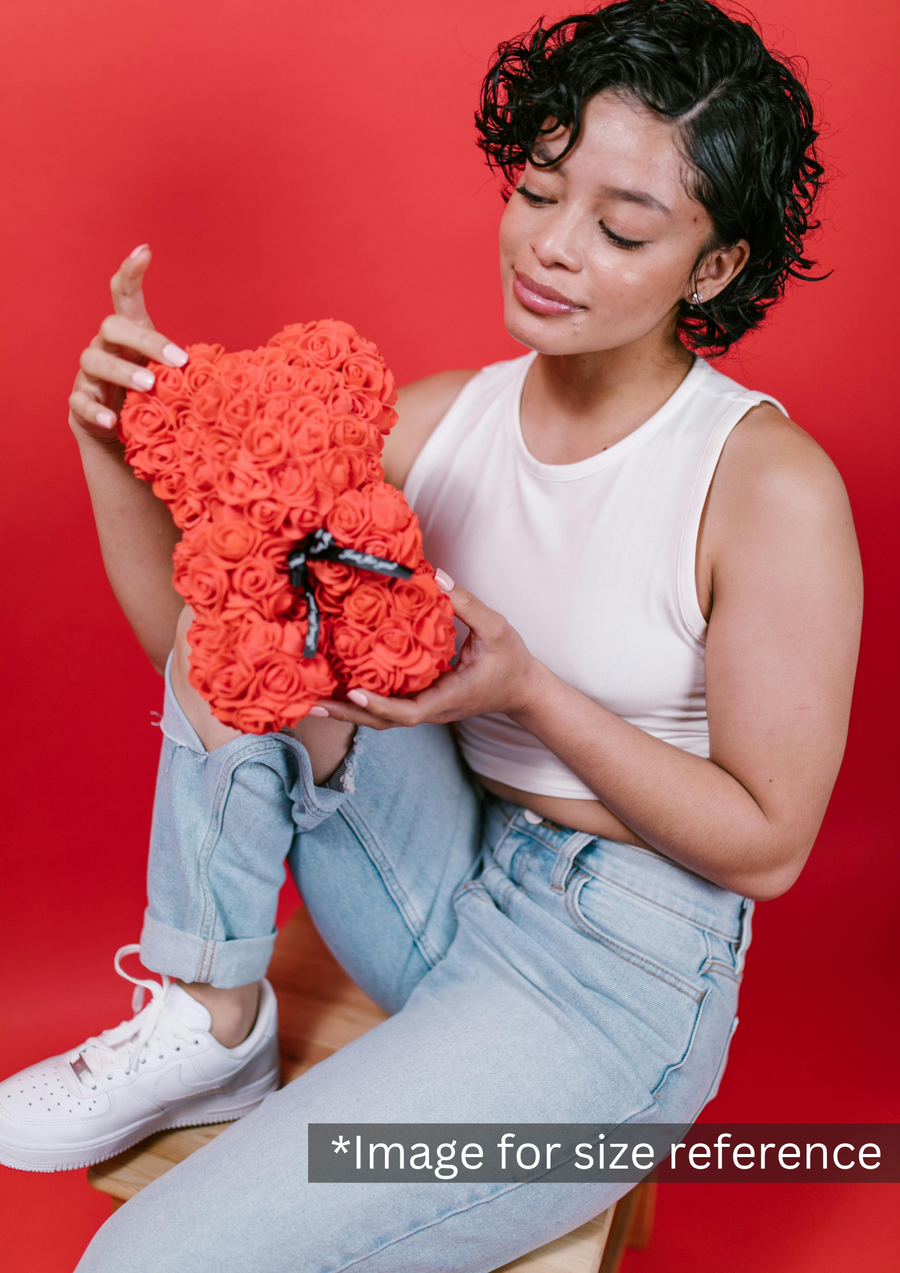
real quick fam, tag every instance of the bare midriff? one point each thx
(581, 815)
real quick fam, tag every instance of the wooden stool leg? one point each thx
(641, 1226)
(632, 1224)
(618, 1234)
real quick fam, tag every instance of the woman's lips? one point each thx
(540, 299)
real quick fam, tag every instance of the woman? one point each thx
(652, 700)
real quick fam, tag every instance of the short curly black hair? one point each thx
(745, 122)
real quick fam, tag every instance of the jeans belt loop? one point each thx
(746, 936)
(566, 855)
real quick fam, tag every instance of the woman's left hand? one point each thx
(494, 673)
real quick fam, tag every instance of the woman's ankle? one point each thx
(233, 1011)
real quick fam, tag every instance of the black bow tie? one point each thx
(319, 545)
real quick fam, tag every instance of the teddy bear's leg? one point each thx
(327, 741)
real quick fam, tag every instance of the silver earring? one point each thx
(696, 298)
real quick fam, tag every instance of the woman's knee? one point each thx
(326, 741)
(211, 732)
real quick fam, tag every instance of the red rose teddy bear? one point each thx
(304, 568)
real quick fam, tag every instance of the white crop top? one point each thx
(593, 563)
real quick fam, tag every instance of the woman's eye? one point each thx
(537, 200)
(532, 198)
(628, 244)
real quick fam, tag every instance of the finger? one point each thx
(99, 365)
(127, 286)
(439, 701)
(118, 332)
(92, 415)
(350, 713)
(474, 613)
(365, 708)
(396, 711)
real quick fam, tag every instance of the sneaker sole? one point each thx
(215, 1108)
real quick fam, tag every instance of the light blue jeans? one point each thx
(534, 974)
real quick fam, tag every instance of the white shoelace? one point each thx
(103, 1054)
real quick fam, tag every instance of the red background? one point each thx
(290, 160)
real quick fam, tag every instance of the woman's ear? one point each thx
(717, 270)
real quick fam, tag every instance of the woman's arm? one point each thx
(135, 529)
(780, 558)
(137, 536)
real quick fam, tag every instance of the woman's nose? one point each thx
(557, 241)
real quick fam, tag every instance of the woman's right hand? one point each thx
(114, 360)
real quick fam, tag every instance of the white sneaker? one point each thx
(161, 1069)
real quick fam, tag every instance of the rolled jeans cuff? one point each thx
(234, 962)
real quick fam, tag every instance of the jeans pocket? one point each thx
(674, 950)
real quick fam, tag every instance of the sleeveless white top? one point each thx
(593, 563)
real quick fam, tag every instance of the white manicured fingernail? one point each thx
(105, 418)
(143, 379)
(444, 581)
(358, 697)
(174, 356)
(318, 711)
(138, 250)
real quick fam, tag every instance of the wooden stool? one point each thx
(321, 1009)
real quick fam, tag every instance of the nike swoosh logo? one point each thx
(174, 1086)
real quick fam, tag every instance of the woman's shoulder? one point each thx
(776, 497)
(769, 456)
(422, 403)
(767, 450)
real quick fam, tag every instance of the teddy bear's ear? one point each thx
(147, 427)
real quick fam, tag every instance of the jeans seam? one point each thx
(720, 1068)
(394, 888)
(200, 972)
(624, 952)
(677, 1065)
(506, 888)
(508, 891)
(504, 837)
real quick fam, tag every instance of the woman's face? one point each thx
(597, 252)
